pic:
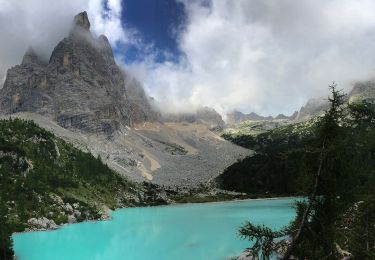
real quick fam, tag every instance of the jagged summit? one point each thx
(313, 107)
(30, 56)
(82, 21)
(81, 87)
(237, 117)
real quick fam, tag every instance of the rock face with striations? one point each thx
(80, 87)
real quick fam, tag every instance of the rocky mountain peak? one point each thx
(105, 47)
(237, 117)
(30, 57)
(81, 20)
(313, 107)
(363, 91)
(81, 86)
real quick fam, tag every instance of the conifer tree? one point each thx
(6, 243)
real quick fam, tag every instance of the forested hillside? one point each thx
(45, 181)
(331, 161)
(277, 167)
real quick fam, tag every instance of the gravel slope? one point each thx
(177, 155)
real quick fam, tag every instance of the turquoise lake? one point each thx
(187, 231)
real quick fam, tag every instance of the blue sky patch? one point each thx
(158, 23)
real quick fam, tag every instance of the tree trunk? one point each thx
(297, 237)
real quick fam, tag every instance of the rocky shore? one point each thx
(65, 213)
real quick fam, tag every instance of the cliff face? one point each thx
(363, 91)
(313, 107)
(82, 96)
(204, 115)
(80, 87)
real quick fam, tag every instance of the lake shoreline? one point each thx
(192, 230)
(109, 213)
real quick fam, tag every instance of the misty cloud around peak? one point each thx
(267, 57)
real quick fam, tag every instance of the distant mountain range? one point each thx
(204, 115)
(237, 117)
(362, 91)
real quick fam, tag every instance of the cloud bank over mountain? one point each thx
(266, 56)
(263, 56)
(42, 24)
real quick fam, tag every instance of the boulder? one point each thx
(72, 219)
(42, 223)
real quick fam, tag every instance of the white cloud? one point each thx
(266, 56)
(107, 21)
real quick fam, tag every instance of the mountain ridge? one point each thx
(80, 87)
(81, 95)
(236, 116)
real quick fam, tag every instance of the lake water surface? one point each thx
(188, 231)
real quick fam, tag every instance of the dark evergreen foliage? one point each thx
(35, 166)
(281, 166)
(335, 167)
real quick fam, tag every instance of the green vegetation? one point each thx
(252, 128)
(266, 241)
(43, 176)
(6, 243)
(333, 163)
(277, 168)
